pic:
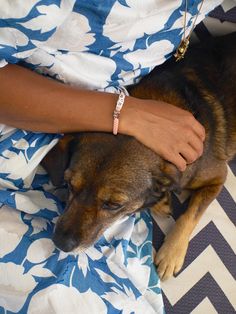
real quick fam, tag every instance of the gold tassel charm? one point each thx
(181, 50)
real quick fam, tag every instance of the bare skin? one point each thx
(33, 102)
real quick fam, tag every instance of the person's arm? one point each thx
(33, 102)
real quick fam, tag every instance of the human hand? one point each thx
(171, 132)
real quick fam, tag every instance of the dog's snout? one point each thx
(64, 240)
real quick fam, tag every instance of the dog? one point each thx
(110, 176)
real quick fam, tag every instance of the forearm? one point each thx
(33, 102)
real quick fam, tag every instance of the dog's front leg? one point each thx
(170, 258)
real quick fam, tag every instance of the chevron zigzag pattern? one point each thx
(206, 284)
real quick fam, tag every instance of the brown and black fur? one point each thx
(112, 176)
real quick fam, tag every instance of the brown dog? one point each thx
(112, 176)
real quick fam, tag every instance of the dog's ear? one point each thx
(166, 177)
(57, 160)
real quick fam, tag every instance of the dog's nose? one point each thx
(64, 241)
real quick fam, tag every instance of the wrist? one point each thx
(128, 116)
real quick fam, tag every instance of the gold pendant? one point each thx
(181, 50)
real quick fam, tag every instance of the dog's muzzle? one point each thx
(64, 240)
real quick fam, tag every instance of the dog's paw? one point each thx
(170, 258)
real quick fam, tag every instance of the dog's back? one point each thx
(204, 82)
(227, 86)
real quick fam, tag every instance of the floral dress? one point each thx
(97, 45)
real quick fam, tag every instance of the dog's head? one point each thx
(108, 177)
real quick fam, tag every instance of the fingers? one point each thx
(190, 154)
(171, 132)
(189, 122)
(184, 148)
(176, 159)
(196, 144)
(199, 130)
(192, 128)
(190, 147)
(183, 153)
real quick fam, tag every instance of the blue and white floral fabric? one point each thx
(98, 45)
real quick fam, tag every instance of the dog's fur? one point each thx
(112, 176)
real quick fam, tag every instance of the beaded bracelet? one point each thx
(116, 113)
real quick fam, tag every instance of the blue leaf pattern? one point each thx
(98, 45)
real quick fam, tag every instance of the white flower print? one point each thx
(136, 19)
(151, 56)
(38, 224)
(15, 285)
(3, 62)
(128, 303)
(138, 273)
(32, 201)
(50, 16)
(121, 229)
(6, 131)
(59, 299)
(15, 9)
(105, 277)
(155, 301)
(41, 271)
(12, 37)
(12, 228)
(115, 261)
(128, 76)
(24, 54)
(75, 68)
(140, 233)
(40, 250)
(24, 167)
(83, 262)
(79, 31)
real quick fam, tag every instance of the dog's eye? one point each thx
(111, 206)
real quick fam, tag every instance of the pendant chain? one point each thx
(183, 46)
